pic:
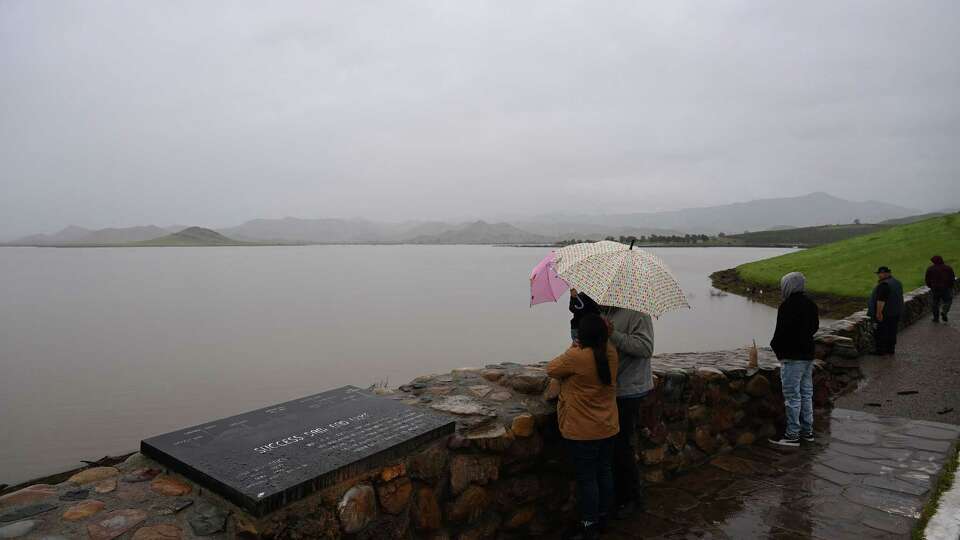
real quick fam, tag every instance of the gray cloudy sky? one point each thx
(137, 112)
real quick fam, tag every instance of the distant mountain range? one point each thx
(758, 215)
(761, 214)
(481, 232)
(914, 219)
(80, 235)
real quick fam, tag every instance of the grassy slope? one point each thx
(193, 236)
(808, 236)
(846, 268)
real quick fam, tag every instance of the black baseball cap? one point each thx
(883, 270)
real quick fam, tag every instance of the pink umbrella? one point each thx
(545, 284)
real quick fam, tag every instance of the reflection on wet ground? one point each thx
(867, 476)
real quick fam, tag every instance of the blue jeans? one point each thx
(593, 465)
(797, 379)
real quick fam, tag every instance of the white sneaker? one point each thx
(786, 441)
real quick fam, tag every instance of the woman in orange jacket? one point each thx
(587, 414)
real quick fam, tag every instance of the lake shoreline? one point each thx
(303, 244)
(831, 306)
(205, 322)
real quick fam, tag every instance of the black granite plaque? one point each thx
(265, 459)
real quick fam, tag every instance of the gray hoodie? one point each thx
(792, 283)
(633, 338)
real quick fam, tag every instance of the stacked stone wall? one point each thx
(503, 474)
(847, 339)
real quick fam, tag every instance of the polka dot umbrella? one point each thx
(614, 274)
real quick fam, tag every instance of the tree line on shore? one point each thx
(652, 239)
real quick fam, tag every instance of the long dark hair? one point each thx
(592, 333)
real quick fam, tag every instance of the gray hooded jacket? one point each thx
(633, 338)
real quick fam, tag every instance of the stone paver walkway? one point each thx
(868, 476)
(927, 363)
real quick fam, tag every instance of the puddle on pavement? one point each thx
(872, 484)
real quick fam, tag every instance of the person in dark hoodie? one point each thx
(940, 278)
(884, 308)
(797, 322)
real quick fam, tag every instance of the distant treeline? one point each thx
(652, 239)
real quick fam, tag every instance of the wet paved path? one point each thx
(868, 476)
(928, 362)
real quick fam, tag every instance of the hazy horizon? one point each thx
(461, 220)
(212, 114)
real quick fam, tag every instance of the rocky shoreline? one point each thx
(831, 306)
(501, 474)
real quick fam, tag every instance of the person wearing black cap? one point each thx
(886, 304)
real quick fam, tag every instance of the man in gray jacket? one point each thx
(632, 335)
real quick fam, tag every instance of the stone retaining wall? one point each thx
(503, 474)
(840, 343)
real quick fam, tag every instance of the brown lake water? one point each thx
(100, 348)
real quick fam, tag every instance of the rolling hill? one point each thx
(756, 215)
(191, 236)
(80, 235)
(815, 209)
(846, 268)
(481, 232)
(292, 229)
(805, 236)
(912, 219)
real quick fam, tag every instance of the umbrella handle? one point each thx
(632, 241)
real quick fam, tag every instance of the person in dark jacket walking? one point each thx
(940, 278)
(797, 322)
(884, 308)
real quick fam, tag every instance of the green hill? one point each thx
(191, 236)
(806, 236)
(911, 219)
(846, 268)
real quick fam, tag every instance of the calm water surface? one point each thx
(100, 348)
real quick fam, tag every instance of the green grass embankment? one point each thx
(842, 273)
(806, 236)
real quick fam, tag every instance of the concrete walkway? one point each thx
(878, 455)
(868, 476)
(927, 363)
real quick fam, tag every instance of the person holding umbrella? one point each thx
(631, 332)
(631, 286)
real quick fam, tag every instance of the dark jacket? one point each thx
(890, 292)
(580, 305)
(797, 322)
(940, 275)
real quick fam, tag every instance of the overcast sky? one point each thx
(212, 113)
